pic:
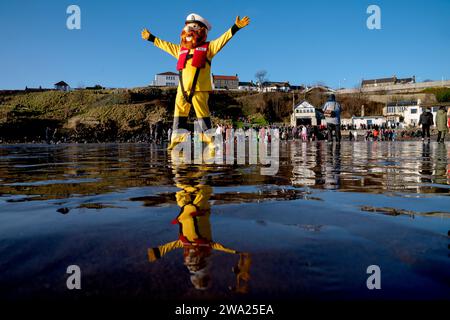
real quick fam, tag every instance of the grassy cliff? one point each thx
(96, 115)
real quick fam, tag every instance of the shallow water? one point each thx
(309, 232)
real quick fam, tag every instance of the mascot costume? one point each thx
(194, 233)
(194, 56)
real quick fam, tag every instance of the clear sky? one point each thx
(303, 42)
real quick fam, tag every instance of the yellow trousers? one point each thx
(199, 101)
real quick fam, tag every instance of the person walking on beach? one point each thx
(304, 133)
(332, 111)
(426, 120)
(441, 124)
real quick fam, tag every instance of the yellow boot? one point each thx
(176, 139)
(208, 139)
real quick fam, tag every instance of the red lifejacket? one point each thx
(198, 60)
(197, 241)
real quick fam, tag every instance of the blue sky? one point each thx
(303, 42)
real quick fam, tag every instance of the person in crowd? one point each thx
(426, 121)
(332, 111)
(304, 133)
(441, 124)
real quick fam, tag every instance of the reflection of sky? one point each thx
(315, 234)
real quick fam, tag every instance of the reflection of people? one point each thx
(195, 236)
(194, 65)
(333, 166)
(332, 111)
(426, 165)
(441, 162)
(426, 120)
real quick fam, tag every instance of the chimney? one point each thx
(362, 111)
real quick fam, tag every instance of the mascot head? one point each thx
(196, 259)
(195, 31)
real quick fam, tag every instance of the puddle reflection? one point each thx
(195, 236)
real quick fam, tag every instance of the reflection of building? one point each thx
(166, 79)
(302, 164)
(305, 114)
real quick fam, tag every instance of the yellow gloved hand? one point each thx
(145, 34)
(241, 23)
(151, 255)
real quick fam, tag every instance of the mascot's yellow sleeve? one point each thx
(216, 45)
(156, 253)
(169, 47)
(219, 247)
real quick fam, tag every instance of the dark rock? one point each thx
(63, 210)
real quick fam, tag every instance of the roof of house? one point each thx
(368, 117)
(297, 87)
(402, 103)
(304, 104)
(393, 79)
(406, 80)
(61, 83)
(381, 80)
(250, 84)
(276, 84)
(320, 88)
(220, 77)
(167, 74)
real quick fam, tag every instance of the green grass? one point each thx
(441, 94)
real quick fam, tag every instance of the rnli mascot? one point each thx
(194, 56)
(195, 236)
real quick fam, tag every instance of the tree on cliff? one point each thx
(261, 77)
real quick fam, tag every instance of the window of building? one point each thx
(413, 111)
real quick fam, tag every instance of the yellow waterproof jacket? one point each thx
(193, 221)
(158, 252)
(204, 78)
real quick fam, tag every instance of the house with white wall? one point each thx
(166, 79)
(305, 113)
(405, 113)
(248, 86)
(368, 121)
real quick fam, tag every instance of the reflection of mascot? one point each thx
(194, 65)
(195, 233)
(242, 271)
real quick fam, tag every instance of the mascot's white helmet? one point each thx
(193, 17)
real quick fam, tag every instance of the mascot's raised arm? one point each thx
(194, 55)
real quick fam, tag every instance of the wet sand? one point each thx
(311, 230)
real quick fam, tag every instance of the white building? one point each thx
(368, 121)
(247, 86)
(166, 79)
(346, 121)
(412, 115)
(305, 114)
(405, 113)
(275, 87)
